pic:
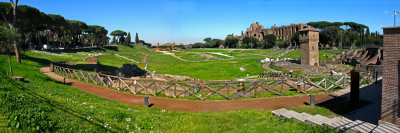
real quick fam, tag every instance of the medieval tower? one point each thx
(309, 38)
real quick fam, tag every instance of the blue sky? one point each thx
(189, 21)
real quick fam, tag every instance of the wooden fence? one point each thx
(203, 90)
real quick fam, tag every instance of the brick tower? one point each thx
(390, 109)
(309, 38)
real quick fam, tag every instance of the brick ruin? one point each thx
(282, 33)
(165, 47)
(309, 38)
(367, 56)
(390, 109)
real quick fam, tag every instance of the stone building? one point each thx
(390, 109)
(282, 33)
(255, 31)
(309, 38)
(286, 32)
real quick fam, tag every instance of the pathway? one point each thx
(192, 105)
(127, 58)
(144, 59)
(370, 113)
(287, 50)
(266, 66)
(337, 123)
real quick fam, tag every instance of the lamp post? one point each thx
(395, 12)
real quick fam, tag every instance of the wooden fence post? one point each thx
(355, 87)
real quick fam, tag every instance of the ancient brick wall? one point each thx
(309, 38)
(282, 33)
(391, 75)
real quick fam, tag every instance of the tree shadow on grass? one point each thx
(104, 69)
(101, 49)
(56, 105)
(99, 68)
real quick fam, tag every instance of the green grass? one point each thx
(189, 56)
(114, 61)
(323, 54)
(45, 105)
(314, 110)
(4, 124)
(210, 70)
(68, 57)
(241, 53)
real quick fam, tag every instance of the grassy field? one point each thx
(219, 68)
(114, 61)
(323, 54)
(222, 68)
(42, 104)
(67, 57)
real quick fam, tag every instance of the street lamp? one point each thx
(395, 12)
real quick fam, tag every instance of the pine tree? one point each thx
(114, 40)
(137, 38)
(128, 39)
(367, 37)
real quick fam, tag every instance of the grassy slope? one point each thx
(71, 110)
(114, 61)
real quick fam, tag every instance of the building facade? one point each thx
(282, 33)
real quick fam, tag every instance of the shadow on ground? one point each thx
(368, 110)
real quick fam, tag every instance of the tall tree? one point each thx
(12, 25)
(113, 41)
(231, 42)
(7, 36)
(137, 41)
(269, 40)
(128, 39)
(207, 40)
(120, 34)
(330, 35)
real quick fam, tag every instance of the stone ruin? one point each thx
(325, 67)
(368, 56)
(309, 38)
(310, 63)
(128, 71)
(258, 31)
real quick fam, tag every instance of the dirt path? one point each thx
(179, 58)
(144, 59)
(127, 58)
(92, 60)
(266, 66)
(192, 105)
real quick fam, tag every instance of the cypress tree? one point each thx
(128, 39)
(137, 38)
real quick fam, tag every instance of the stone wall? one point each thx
(286, 32)
(309, 39)
(391, 75)
(282, 33)
(255, 31)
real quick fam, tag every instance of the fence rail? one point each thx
(208, 89)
